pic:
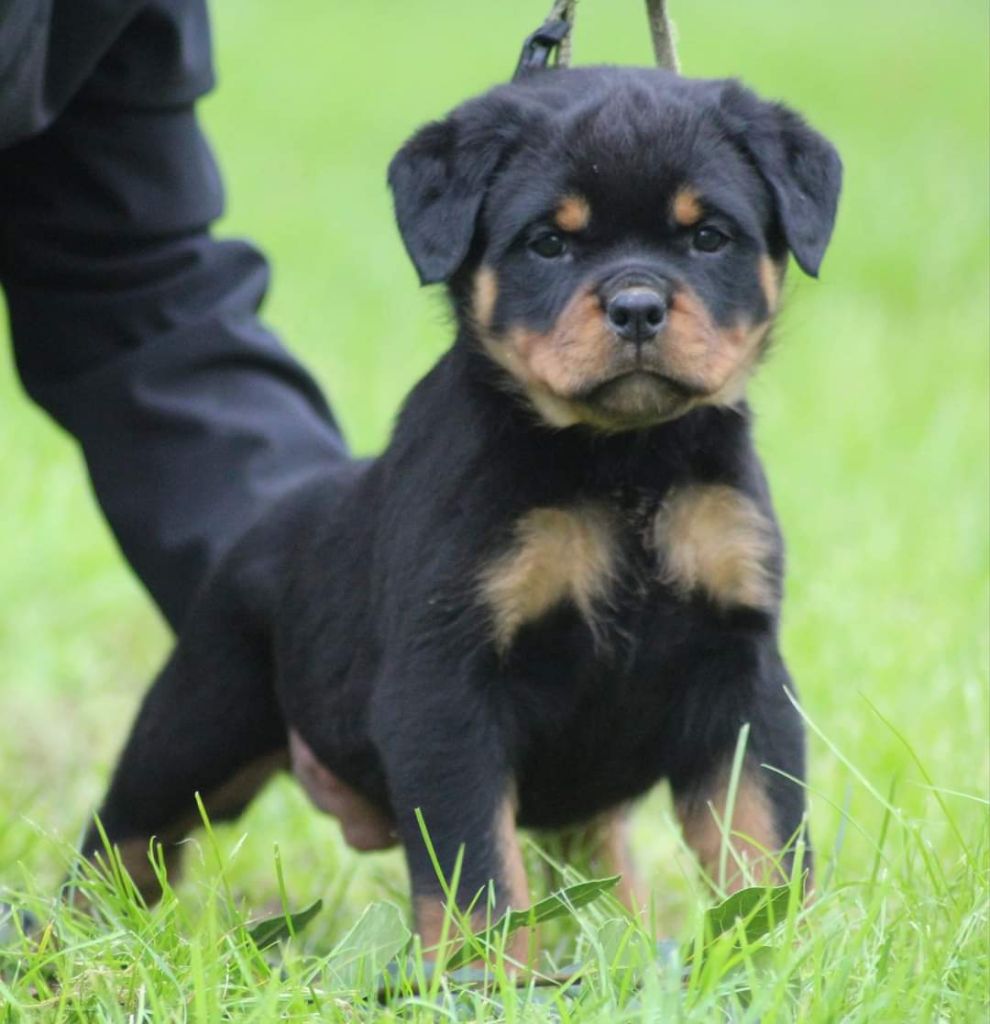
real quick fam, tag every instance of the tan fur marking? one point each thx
(687, 207)
(573, 214)
(551, 366)
(753, 836)
(241, 787)
(716, 361)
(714, 538)
(770, 282)
(514, 878)
(510, 855)
(556, 555)
(226, 798)
(552, 409)
(485, 294)
(601, 847)
(430, 911)
(576, 351)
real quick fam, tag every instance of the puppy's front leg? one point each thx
(742, 680)
(443, 752)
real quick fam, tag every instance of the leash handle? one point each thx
(540, 45)
(554, 36)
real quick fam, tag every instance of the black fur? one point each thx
(351, 613)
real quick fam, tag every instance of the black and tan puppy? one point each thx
(561, 582)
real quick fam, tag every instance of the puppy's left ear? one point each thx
(439, 180)
(801, 167)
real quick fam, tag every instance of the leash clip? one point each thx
(539, 46)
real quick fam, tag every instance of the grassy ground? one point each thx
(874, 426)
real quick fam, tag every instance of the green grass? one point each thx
(873, 420)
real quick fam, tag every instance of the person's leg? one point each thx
(139, 332)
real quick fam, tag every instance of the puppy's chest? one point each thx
(586, 605)
(620, 561)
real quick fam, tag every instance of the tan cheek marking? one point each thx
(548, 367)
(576, 352)
(573, 214)
(556, 555)
(485, 294)
(752, 835)
(714, 538)
(718, 361)
(745, 346)
(691, 341)
(687, 207)
(554, 411)
(770, 275)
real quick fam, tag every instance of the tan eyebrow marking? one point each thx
(687, 206)
(573, 213)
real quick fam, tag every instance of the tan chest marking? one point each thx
(714, 538)
(556, 555)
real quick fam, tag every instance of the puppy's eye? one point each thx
(550, 246)
(709, 239)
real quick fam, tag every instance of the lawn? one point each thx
(873, 421)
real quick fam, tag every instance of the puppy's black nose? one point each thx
(637, 313)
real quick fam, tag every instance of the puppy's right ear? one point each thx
(801, 167)
(439, 179)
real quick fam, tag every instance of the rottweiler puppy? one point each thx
(561, 582)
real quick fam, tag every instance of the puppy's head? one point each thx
(615, 239)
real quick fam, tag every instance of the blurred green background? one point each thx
(873, 414)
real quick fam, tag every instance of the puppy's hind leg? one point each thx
(210, 725)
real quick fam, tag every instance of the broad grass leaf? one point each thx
(377, 937)
(557, 904)
(760, 908)
(273, 929)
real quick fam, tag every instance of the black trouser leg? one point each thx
(136, 329)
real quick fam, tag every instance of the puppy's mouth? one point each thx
(639, 398)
